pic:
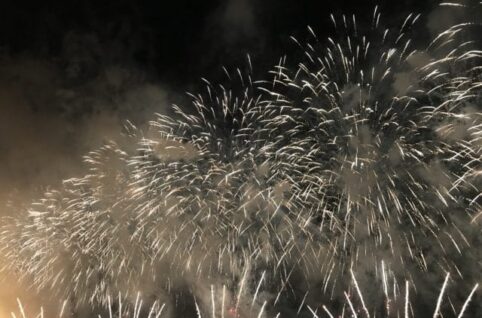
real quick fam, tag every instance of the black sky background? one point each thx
(176, 42)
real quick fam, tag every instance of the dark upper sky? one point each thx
(174, 41)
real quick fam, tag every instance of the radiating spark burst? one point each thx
(381, 144)
(366, 155)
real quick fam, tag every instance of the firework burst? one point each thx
(364, 157)
(380, 145)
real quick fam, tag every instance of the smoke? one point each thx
(47, 126)
(52, 112)
(451, 13)
(238, 20)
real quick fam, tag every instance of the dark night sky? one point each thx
(177, 41)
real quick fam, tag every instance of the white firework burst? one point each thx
(364, 157)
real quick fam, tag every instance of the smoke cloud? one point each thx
(54, 111)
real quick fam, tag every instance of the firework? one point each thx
(380, 144)
(363, 157)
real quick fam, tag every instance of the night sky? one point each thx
(175, 42)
